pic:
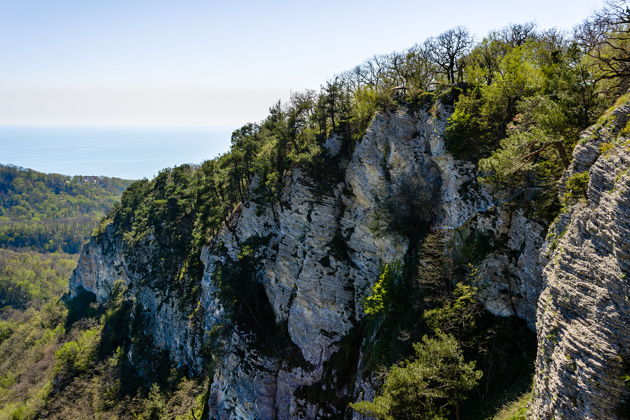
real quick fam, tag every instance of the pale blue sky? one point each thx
(212, 63)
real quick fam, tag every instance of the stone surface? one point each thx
(583, 316)
(318, 256)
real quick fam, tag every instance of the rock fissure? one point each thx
(314, 255)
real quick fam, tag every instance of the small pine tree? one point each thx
(428, 386)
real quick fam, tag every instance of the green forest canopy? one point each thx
(519, 96)
(52, 212)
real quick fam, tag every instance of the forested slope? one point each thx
(376, 248)
(44, 220)
(52, 212)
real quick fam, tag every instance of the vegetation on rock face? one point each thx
(59, 361)
(529, 94)
(53, 368)
(431, 295)
(50, 371)
(425, 387)
(523, 97)
(379, 300)
(520, 97)
(575, 186)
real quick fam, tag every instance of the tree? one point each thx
(457, 316)
(541, 125)
(517, 34)
(605, 39)
(379, 299)
(426, 387)
(447, 50)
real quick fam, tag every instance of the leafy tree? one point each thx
(482, 63)
(575, 188)
(428, 386)
(541, 125)
(481, 115)
(467, 135)
(457, 316)
(75, 357)
(379, 299)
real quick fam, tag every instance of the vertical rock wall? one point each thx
(584, 309)
(316, 254)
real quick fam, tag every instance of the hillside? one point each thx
(440, 233)
(44, 220)
(52, 212)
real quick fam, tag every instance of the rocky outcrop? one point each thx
(313, 257)
(319, 262)
(103, 262)
(584, 308)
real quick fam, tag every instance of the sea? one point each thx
(123, 152)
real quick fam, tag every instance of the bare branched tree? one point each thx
(517, 34)
(605, 37)
(447, 50)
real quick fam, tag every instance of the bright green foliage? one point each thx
(75, 357)
(481, 115)
(365, 104)
(29, 277)
(27, 350)
(525, 106)
(378, 299)
(515, 410)
(428, 386)
(539, 135)
(576, 187)
(51, 212)
(47, 371)
(155, 404)
(522, 113)
(459, 315)
(374, 303)
(466, 133)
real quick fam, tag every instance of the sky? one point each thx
(214, 64)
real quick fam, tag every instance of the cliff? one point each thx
(279, 322)
(584, 309)
(281, 300)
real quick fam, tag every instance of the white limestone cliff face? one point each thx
(314, 288)
(103, 262)
(317, 255)
(584, 309)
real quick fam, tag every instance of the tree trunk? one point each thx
(563, 153)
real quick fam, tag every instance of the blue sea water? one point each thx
(131, 153)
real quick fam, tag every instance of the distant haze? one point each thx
(197, 63)
(130, 153)
(212, 63)
(134, 106)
